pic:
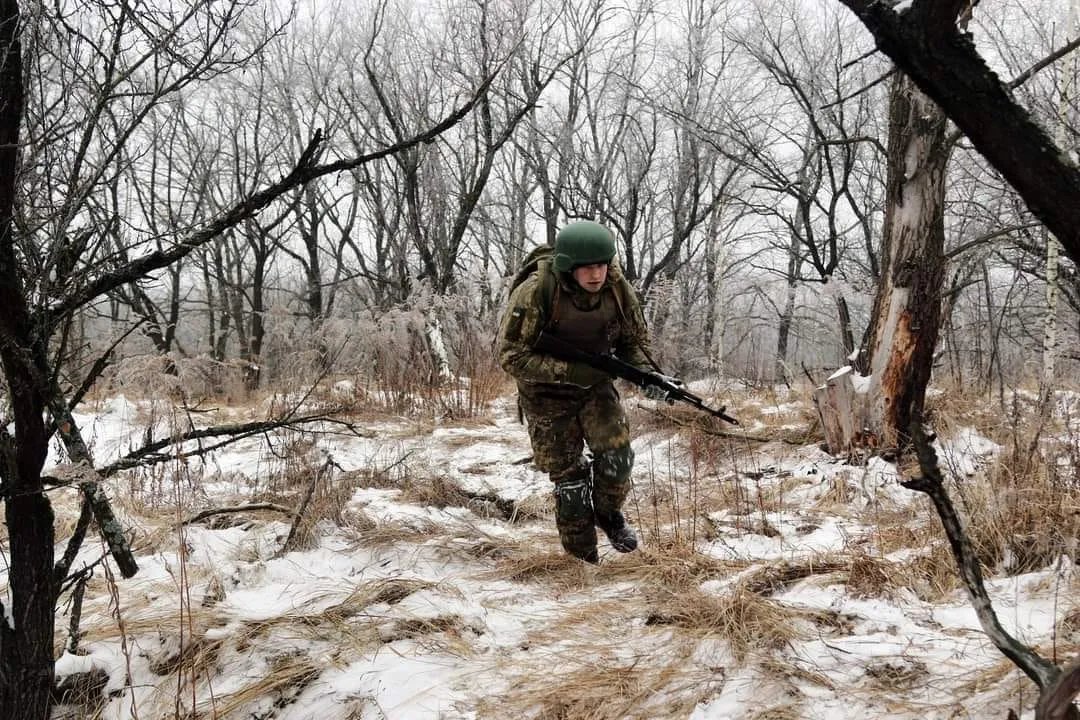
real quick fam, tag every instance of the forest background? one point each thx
(737, 150)
(238, 196)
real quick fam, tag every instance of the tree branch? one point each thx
(304, 171)
(948, 68)
(150, 453)
(1042, 671)
(247, 507)
(1056, 700)
(86, 514)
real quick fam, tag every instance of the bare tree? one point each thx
(926, 44)
(925, 41)
(816, 174)
(92, 76)
(902, 336)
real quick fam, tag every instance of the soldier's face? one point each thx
(591, 277)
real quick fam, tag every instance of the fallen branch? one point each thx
(247, 507)
(1057, 689)
(298, 516)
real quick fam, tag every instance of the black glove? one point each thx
(583, 375)
(655, 392)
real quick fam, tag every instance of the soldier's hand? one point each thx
(659, 392)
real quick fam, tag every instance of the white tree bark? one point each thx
(907, 309)
(1067, 78)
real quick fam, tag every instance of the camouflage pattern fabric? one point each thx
(561, 420)
(611, 479)
(527, 314)
(574, 514)
(564, 413)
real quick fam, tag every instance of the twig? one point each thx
(74, 634)
(86, 514)
(299, 515)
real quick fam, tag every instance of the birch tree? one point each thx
(1067, 83)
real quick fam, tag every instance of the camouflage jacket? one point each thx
(529, 311)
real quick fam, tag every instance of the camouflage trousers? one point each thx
(563, 420)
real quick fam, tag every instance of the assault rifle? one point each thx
(673, 390)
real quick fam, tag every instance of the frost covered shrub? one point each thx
(432, 355)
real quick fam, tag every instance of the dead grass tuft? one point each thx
(901, 529)
(673, 566)
(747, 621)
(783, 711)
(897, 674)
(587, 682)
(931, 575)
(414, 628)
(870, 577)
(787, 672)
(535, 566)
(1021, 524)
(435, 492)
(535, 507)
(286, 677)
(392, 533)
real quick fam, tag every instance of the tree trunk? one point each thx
(783, 335)
(1067, 79)
(787, 315)
(907, 309)
(26, 632)
(905, 319)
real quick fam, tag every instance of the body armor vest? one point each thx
(595, 329)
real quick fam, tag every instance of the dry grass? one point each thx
(441, 634)
(671, 566)
(531, 565)
(286, 677)
(394, 533)
(576, 670)
(783, 711)
(901, 528)
(1024, 523)
(771, 579)
(1023, 509)
(788, 672)
(870, 577)
(605, 689)
(897, 675)
(437, 492)
(748, 622)
(931, 575)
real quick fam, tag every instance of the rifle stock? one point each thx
(552, 345)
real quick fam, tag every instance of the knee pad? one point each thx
(573, 501)
(613, 466)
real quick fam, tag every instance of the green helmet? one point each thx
(583, 242)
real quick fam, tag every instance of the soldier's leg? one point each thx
(574, 512)
(607, 432)
(557, 441)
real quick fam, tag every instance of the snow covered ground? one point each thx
(774, 581)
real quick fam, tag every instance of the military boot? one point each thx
(574, 518)
(619, 534)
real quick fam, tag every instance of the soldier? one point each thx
(581, 296)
